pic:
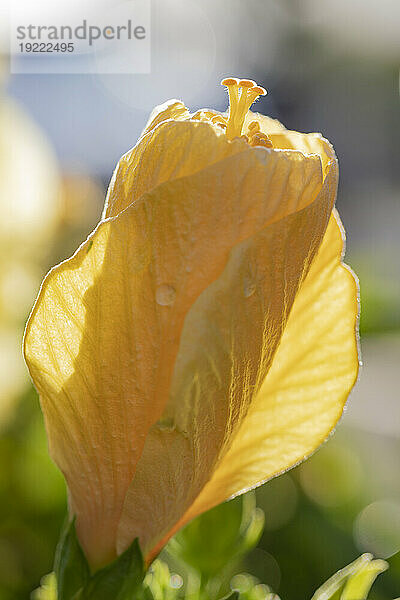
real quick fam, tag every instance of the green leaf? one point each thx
(121, 580)
(234, 528)
(359, 584)
(332, 589)
(70, 566)
(352, 582)
(47, 590)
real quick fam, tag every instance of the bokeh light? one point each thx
(333, 477)
(377, 528)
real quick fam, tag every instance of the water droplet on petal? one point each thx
(249, 288)
(165, 295)
(166, 424)
(176, 582)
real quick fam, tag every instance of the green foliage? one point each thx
(120, 580)
(125, 578)
(380, 304)
(360, 583)
(159, 584)
(249, 588)
(209, 548)
(32, 502)
(219, 536)
(71, 568)
(48, 588)
(352, 582)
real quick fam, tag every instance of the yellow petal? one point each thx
(103, 337)
(176, 149)
(172, 109)
(303, 395)
(267, 124)
(309, 143)
(173, 149)
(227, 345)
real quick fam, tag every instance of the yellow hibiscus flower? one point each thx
(203, 338)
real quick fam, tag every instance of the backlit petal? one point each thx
(172, 109)
(228, 342)
(174, 149)
(103, 337)
(267, 124)
(309, 143)
(303, 395)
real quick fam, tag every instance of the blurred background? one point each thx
(329, 66)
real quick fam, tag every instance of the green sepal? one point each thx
(70, 565)
(352, 582)
(359, 584)
(120, 580)
(47, 589)
(231, 596)
(234, 528)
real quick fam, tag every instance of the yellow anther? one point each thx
(253, 93)
(260, 91)
(260, 139)
(229, 81)
(219, 120)
(253, 127)
(247, 83)
(242, 94)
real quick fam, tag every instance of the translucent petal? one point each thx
(103, 337)
(173, 149)
(303, 395)
(308, 143)
(176, 149)
(227, 345)
(172, 109)
(267, 124)
(282, 138)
